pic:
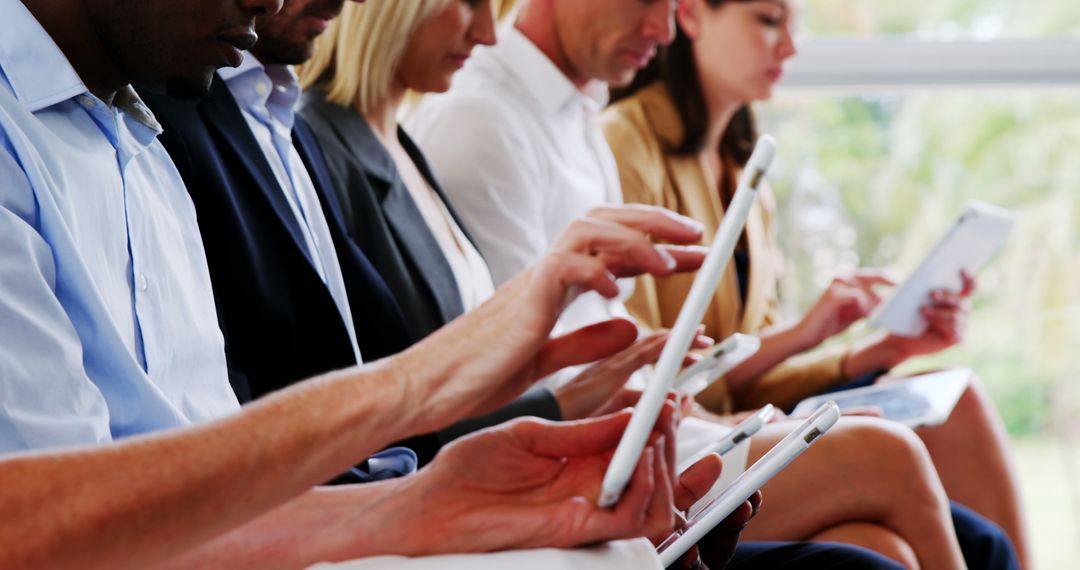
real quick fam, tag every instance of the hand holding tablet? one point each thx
(648, 408)
(966, 247)
(774, 461)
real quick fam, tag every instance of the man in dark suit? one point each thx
(295, 296)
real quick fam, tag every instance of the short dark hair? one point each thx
(676, 69)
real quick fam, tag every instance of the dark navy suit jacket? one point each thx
(281, 324)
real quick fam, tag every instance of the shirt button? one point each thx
(262, 88)
(87, 101)
(142, 283)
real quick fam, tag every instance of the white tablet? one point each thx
(967, 246)
(682, 334)
(740, 433)
(773, 462)
(717, 361)
(918, 401)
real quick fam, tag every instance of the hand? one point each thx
(532, 484)
(946, 320)
(487, 357)
(845, 301)
(599, 389)
(718, 546)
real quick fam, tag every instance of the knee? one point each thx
(889, 454)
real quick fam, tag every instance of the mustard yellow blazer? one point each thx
(639, 130)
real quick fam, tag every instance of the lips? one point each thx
(639, 57)
(241, 39)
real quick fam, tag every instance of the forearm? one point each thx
(777, 345)
(871, 354)
(326, 524)
(146, 499)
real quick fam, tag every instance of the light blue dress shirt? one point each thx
(267, 97)
(107, 320)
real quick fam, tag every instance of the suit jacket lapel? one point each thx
(425, 170)
(223, 114)
(402, 215)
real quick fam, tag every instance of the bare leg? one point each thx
(865, 470)
(873, 537)
(971, 453)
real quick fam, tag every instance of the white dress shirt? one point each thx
(107, 321)
(471, 273)
(520, 153)
(268, 96)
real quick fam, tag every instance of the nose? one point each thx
(260, 7)
(786, 47)
(659, 22)
(482, 28)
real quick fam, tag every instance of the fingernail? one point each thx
(668, 260)
(694, 225)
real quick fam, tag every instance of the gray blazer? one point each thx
(382, 219)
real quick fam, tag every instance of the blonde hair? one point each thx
(356, 57)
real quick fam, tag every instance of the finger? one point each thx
(670, 416)
(570, 439)
(867, 278)
(585, 345)
(624, 251)
(630, 517)
(576, 273)
(660, 517)
(658, 222)
(697, 480)
(968, 283)
(687, 257)
(865, 411)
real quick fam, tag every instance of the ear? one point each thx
(688, 16)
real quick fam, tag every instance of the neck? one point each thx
(383, 117)
(536, 21)
(720, 116)
(71, 26)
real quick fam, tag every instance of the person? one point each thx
(395, 209)
(398, 213)
(113, 336)
(517, 145)
(291, 304)
(681, 133)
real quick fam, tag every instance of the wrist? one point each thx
(800, 337)
(874, 353)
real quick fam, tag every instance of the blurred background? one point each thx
(893, 117)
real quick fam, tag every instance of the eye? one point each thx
(770, 20)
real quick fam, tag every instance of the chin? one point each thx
(188, 87)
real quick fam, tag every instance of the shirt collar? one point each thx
(35, 67)
(543, 78)
(274, 88)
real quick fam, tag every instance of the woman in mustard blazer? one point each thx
(680, 134)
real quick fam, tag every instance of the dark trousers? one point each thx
(807, 555)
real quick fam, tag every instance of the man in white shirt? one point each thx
(518, 148)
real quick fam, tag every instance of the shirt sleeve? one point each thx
(479, 149)
(46, 396)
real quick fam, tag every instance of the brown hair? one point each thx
(675, 67)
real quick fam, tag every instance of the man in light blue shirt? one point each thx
(109, 327)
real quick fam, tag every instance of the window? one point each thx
(892, 118)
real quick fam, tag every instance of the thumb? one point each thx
(572, 439)
(585, 345)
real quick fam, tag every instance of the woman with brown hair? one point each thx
(680, 134)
